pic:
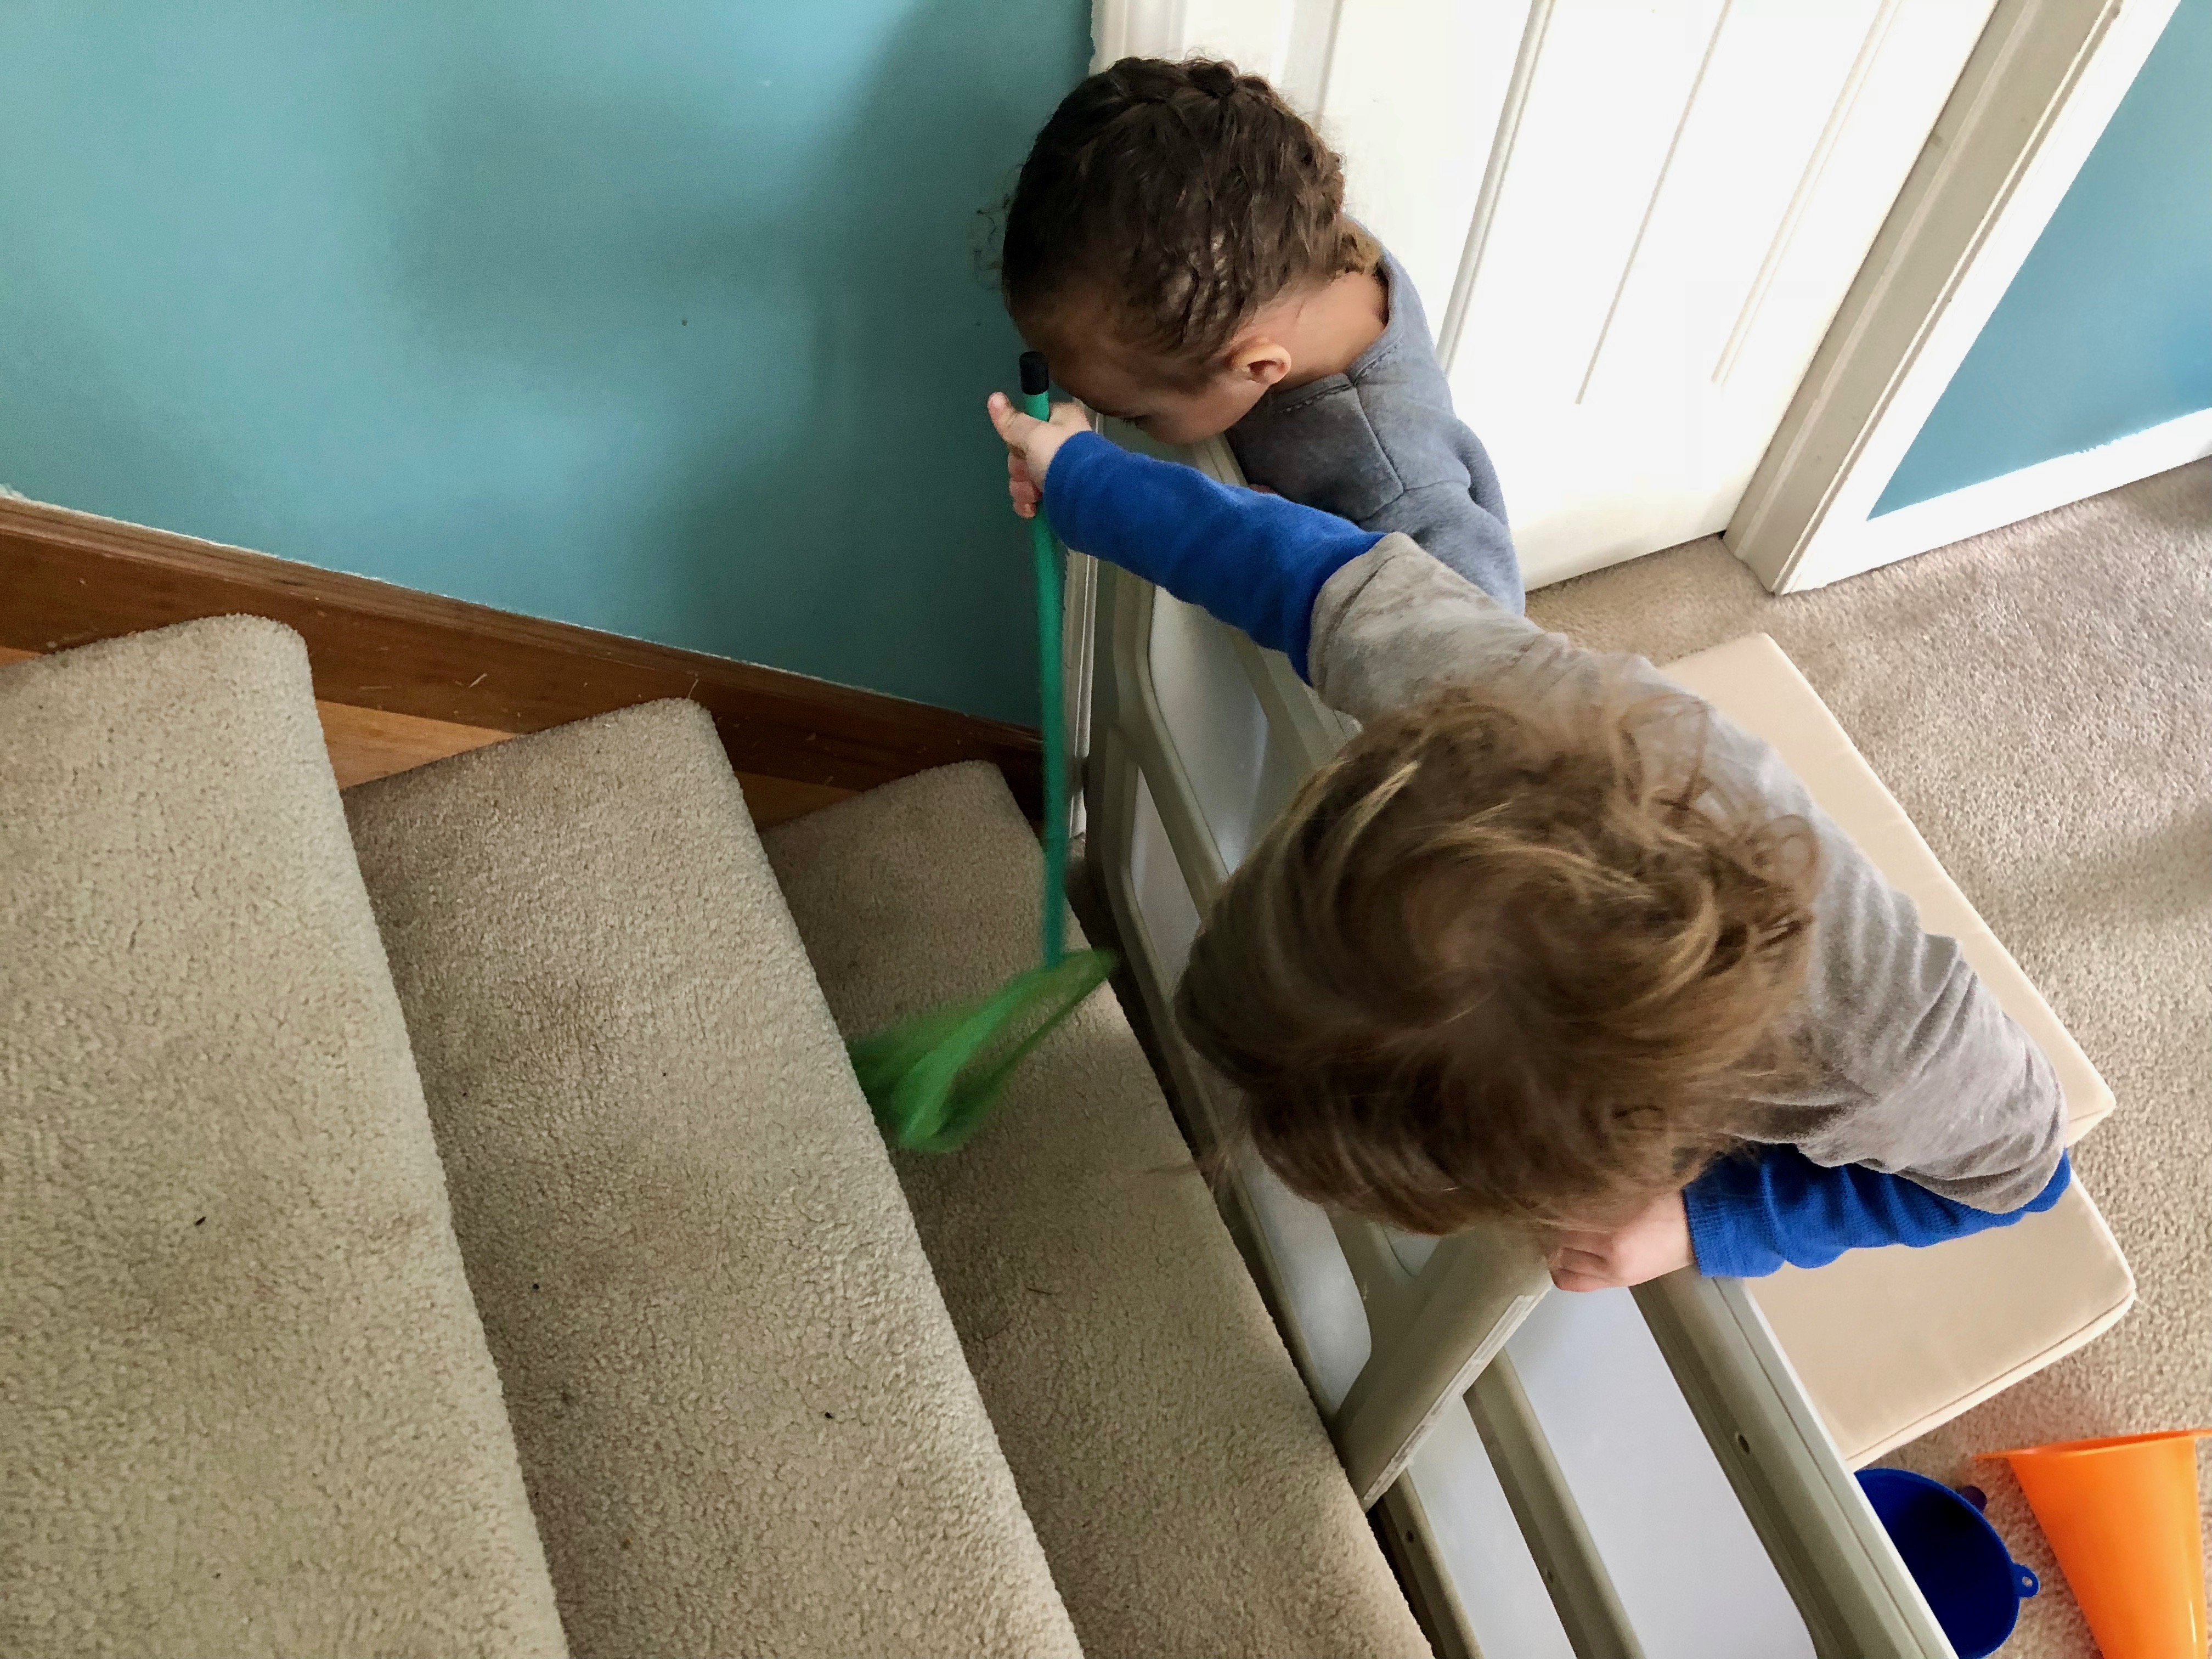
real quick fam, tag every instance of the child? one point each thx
(1177, 249)
(1549, 934)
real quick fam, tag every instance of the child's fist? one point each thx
(1654, 1241)
(1031, 446)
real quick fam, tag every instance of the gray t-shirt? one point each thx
(1379, 444)
(1917, 1071)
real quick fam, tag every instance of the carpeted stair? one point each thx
(742, 1410)
(1188, 1496)
(246, 1406)
(261, 1392)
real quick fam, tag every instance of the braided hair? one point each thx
(1185, 197)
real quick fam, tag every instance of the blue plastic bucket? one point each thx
(1972, 1584)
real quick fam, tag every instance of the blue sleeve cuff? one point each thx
(1750, 1217)
(1256, 562)
(1723, 1235)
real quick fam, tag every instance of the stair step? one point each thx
(249, 1407)
(743, 1413)
(1187, 1495)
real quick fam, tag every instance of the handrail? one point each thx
(1431, 1341)
(1838, 1565)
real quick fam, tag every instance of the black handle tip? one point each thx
(1036, 377)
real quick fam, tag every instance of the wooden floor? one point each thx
(370, 743)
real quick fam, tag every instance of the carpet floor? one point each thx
(2040, 700)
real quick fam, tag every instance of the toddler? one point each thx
(1551, 941)
(1177, 249)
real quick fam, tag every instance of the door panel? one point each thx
(1416, 122)
(1631, 221)
(1691, 190)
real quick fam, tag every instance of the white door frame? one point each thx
(2030, 105)
(2035, 95)
(1289, 41)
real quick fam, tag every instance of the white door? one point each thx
(1630, 220)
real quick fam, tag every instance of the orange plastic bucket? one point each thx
(2121, 1513)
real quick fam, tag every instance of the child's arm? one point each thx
(1769, 1208)
(1256, 562)
(1260, 562)
(1752, 1216)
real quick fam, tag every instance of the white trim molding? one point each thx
(2035, 96)
(1942, 519)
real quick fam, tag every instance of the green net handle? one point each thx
(1050, 674)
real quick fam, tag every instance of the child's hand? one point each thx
(1031, 446)
(1653, 1242)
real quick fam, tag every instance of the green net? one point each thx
(931, 1079)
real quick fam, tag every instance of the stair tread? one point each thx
(743, 1411)
(250, 1408)
(1186, 1492)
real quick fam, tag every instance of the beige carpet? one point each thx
(1190, 1502)
(245, 1405)
(743, 1413)
(2040, 700)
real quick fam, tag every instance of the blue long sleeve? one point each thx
(1258, 563)
(1749, 1217)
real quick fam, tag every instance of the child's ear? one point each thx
(1259, 359)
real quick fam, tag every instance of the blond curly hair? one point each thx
(1500, 963)
(1185, 197)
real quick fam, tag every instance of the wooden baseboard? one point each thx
(367, 744)
(451, 673)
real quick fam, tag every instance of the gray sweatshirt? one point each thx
(1917, 1071)
(1379, 444)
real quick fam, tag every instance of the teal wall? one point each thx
(662, 316)
(2107, 328)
